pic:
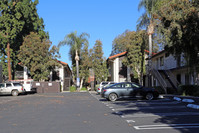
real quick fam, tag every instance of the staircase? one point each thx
(160, 79)
(171, 78)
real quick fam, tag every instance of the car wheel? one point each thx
(149, 96)
(112, 97)
(15, 93)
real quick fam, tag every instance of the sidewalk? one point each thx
(192, 102)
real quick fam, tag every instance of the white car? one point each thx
(27, 84)
(11, 88)
(104, 84)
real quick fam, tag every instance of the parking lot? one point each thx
(89, 113)
(161, 115)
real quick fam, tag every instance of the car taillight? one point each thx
(22, 88)
(98, 88)
(104, 90)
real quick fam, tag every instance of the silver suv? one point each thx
(11, 88)
(104, 84)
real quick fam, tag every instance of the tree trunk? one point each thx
(77, 68)
(9, 62)
(81, 83)
(150, 33)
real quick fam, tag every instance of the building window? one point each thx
(162, 61)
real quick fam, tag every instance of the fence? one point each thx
(47, 87)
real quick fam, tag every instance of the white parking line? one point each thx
(167, 126)
(158, 107)
(130, 121)
(160, 114)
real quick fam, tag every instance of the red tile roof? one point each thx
(123, 53)
(117, 55)
(63, 63)
(152, 52)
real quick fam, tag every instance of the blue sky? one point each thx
(101, 19)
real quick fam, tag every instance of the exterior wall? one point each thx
(169, 62)
(116, 70)
(175, 66)
(118, 73)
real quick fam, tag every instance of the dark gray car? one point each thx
(128, 90)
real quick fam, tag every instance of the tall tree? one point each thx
(85, 64)
(179, 22)
(147, 20)
(17, 19)
(136, 54)
(120, 43)
(36, 55)
(75, 42)
(98, 65)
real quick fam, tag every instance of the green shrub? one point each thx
(189, 90)
(171, 90)
(83, 89)
(72, 89)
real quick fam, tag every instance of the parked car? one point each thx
(104, 84)
(11, 88)
(27, 85)
(127, 90)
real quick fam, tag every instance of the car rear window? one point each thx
(8, 85)
(17, 84)
(104, 83)
(2, 85)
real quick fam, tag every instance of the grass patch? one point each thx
(72, 89)
(83, 89)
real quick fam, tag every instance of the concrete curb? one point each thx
(177, 98)
(193, 106)
(187, 100)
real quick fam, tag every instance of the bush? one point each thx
(83, 89)
(162, 91)
(190, 90)
(171, 90)
(72, 88)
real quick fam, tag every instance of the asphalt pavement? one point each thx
(58, 113)
(86, 112)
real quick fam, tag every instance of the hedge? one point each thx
(189, 90)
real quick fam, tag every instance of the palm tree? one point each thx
(75, 42)
(148, 21)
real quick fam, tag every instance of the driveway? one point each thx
(58, 113)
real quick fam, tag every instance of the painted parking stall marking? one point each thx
(159, 114)
(167, 126)
(148, 107)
